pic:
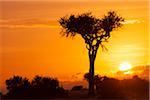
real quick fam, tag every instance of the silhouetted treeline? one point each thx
(135, 88)
(105, 88)
(39, 88)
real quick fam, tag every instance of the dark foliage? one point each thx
(1, 95)
(18, 87)
(106, 88)
(110, 88)
(38, 88)
(135, 88)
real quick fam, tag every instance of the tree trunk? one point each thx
(91, 75)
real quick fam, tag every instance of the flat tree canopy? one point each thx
(94, 31)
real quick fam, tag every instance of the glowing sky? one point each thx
(31, 42)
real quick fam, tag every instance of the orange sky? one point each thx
(31, 43)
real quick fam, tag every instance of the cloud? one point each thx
(41, 23)
(29, 26)
(28, 23)
(133, 21)
(141, 71)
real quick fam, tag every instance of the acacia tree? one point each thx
(94, 31)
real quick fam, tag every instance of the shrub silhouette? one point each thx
(110, 88)
(38, 88)
(94, 31)
(17, 87)
(134, 88)
(46, 87)
(77, 88)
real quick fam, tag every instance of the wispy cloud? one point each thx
(28, 23)
(30, 26)
(41, 23)
(132, 21)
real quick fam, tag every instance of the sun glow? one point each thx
(125, 66)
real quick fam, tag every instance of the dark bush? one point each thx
(77, 88)
(38, 88)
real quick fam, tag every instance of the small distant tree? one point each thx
(94, 31)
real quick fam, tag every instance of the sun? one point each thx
(125, 66)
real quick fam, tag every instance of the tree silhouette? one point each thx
(17, 86)
(94, 31)
(46, 87)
